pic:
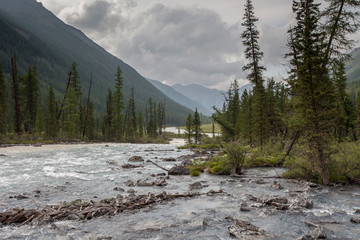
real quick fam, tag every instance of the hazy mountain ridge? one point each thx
(353, 66)
(180, 98)
(53, 46)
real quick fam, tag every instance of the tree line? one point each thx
(69, 118)
(310, 110)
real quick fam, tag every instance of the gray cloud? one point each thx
(174, 43)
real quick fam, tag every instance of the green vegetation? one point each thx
(310, 124)
(71, 119)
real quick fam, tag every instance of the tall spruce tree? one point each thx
(197, 127)
(3, 104)
(117, 121)
(312, 87)
(254, 55)
(108, 118)
(130, 118)
(30, 95)
(51, 121)
(189, 129)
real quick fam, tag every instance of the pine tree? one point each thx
(345, 126)
(312, 87)
(16, 96)
(3, 104)
(246, 116)
(75, 80)
(117, 124)
(250, 38)
(71, 124)
(51, 121)
(90, 122)
(197, 127)
(189, 129)
(130, 118)
(140, 124)
(39, 122)
(108, 118)
(30, 93)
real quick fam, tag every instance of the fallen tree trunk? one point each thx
(79, 210)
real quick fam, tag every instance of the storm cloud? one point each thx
(188, 42)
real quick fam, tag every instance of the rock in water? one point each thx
(243, 229)
(169, 160)
(136, 159)
(197, 186)
(355, 220)
(179, 170)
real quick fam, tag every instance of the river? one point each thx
(93, 172)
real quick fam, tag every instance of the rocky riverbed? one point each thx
(95, 192)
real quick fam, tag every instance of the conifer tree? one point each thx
(108, 118)
(75, 80)
(253, 54)
(51, 121)
(130, 119)
(117, 120)
(3, 104)
(197, 127)
(71, 124)
(246, 116)
(189, 129)
(90, 122)
(312, 87)
(30, 93)
(16, 96)
(140, 124)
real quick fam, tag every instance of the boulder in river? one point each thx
(129, 183)
(355, 220)
(197, 186)
(179, 170)
(169, 159)
(131, 166)
(243, 229)
(136, 159)
(316, 233)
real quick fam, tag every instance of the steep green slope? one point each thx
(39, 37)
(353, 66)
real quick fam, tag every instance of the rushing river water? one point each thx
(92, 172)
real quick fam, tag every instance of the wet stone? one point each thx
(355, 220)
(197, 186)
(179, 170)
(136, 159)
(129, 183)
(169, 160)
(118, 189)
(242, 229)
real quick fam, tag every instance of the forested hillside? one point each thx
(38, 37)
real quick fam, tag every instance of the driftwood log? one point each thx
(80, 210)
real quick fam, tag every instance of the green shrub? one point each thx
(235, 156)
(195, 173)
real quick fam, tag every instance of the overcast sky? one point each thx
(188, 41)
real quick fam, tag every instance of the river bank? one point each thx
(91, 173)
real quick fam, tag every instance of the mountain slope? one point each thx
(206, 96)
(38, 37)
(353, 66)
(180, 98)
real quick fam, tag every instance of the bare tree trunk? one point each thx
(294, 138)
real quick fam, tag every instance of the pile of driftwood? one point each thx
(80, 210)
